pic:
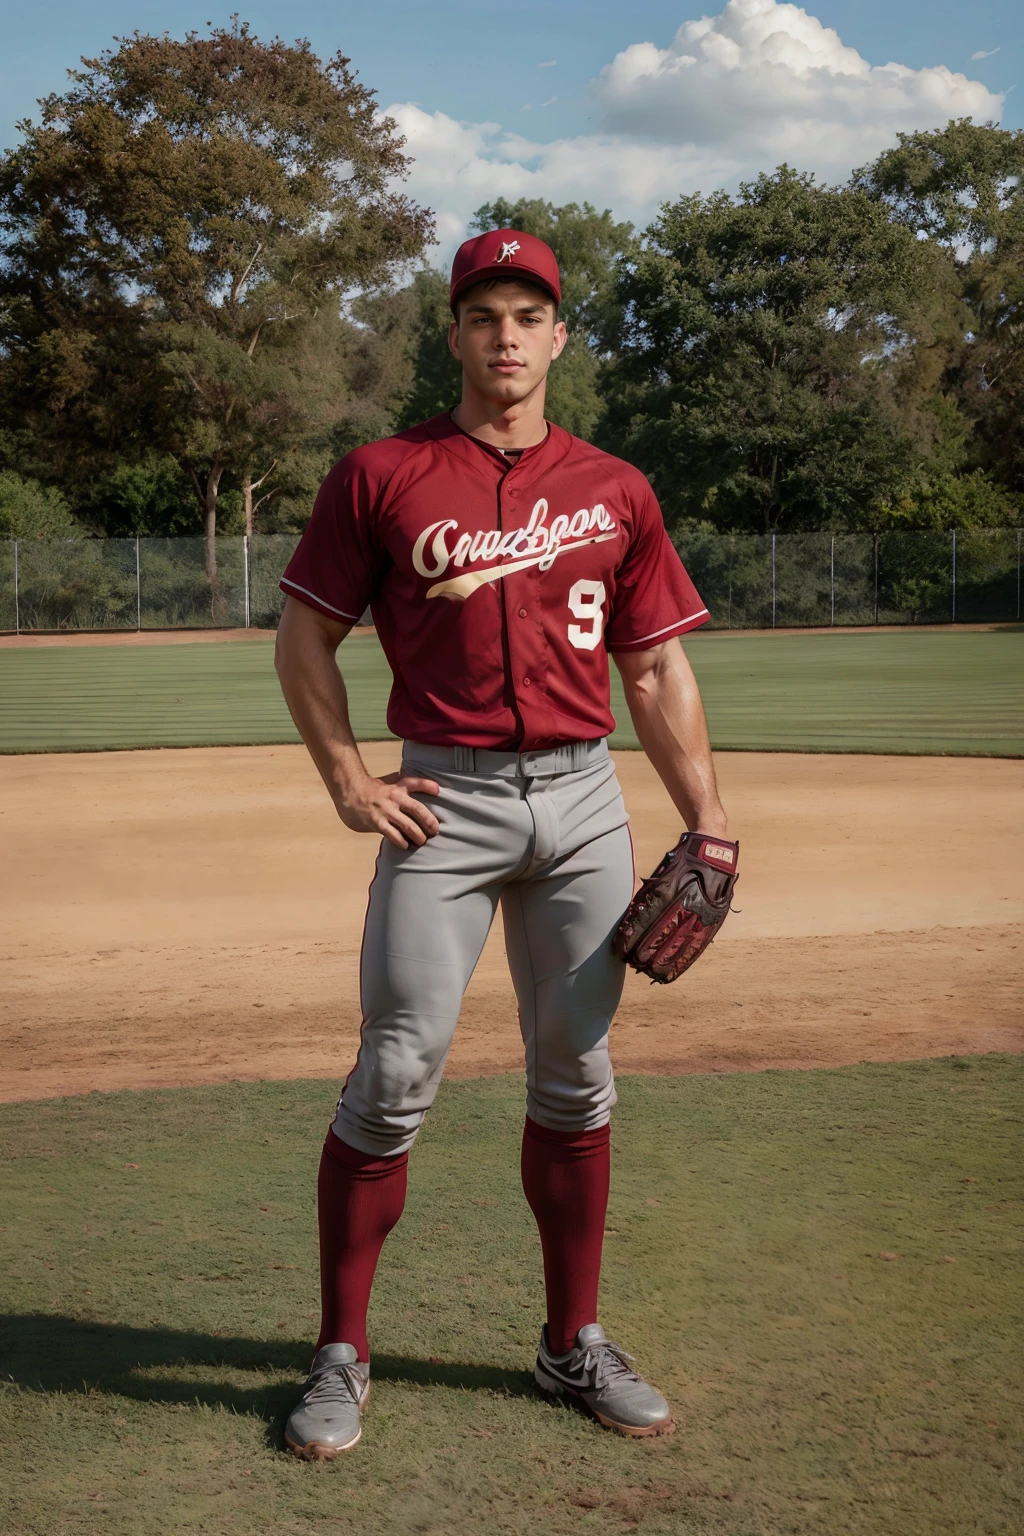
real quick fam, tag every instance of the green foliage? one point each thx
(960, 185)
(148, 495)
(414, 321)
(963, 187)
(339, 381)
(183, 228)
(947, 501)
(171, 229)
(29, 510)
(755, 381)
(572, 399)
(159, 1261)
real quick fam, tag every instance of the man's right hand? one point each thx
(386, 806)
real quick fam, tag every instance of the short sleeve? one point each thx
(338, 565)
(654, 597)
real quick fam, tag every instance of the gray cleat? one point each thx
(326, 1421)
(597, 1375)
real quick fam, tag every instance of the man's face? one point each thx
(506, 338)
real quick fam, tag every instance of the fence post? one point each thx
(832, 581)
(17, 610)
(773, 581)
(246, 547)
(138, 588)
(954, 576)
(732, 545)
(876, 580)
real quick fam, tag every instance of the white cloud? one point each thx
(730, 96)
(458, 166)
(466, 160)
(768, 78)
(984, 53)
(548, 64)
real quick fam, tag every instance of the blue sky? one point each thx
(601, 100)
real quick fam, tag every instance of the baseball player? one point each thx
(503, 561)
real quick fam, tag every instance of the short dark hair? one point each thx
(487, 283)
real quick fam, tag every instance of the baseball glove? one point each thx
(678, 911)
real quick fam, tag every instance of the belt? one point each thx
(541, 763)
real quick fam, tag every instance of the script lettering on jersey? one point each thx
(441, 546)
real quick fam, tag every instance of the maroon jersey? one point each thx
(497, 586)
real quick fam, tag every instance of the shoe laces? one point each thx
(609, 1363)
(338, 1385)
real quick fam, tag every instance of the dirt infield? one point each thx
(175, 917)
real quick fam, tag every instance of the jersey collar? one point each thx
(476, 454)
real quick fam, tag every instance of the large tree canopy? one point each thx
(167, 229)
(963, 187)
(212, 286)
(762, 340)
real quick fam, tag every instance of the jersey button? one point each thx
(522, 613)
(527, 681)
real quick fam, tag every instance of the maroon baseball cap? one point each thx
(505, 253)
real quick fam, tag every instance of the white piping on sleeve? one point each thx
(688, 620)
(285, 581)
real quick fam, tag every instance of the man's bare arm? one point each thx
(314, 690)
(665, 705)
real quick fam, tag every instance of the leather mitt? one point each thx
(678, 911)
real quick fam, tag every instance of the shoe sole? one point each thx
(314, 1451)
(556, 1388)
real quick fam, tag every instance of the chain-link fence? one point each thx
(748, 582)
(97, 584)
(796, 580)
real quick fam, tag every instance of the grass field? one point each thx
(820, 1268)
(918, 692)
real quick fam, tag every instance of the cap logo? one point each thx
(508, 250)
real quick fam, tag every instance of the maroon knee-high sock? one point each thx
(565, 1179)
(359, 1200)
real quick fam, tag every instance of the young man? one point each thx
(503, 560)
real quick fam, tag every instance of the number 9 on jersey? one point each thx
(586, 602)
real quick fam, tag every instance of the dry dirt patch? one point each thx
(177, 917)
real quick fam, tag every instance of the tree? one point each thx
(962, 187)
(943, 502)
(343, 378)
(148, 494)
(29, 510)
(761, 349)
(412, 324)
(170, 231)
(959, 185)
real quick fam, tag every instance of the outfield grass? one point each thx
(957, 692)
(820, 1268)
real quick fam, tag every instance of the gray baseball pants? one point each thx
(544, 833)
